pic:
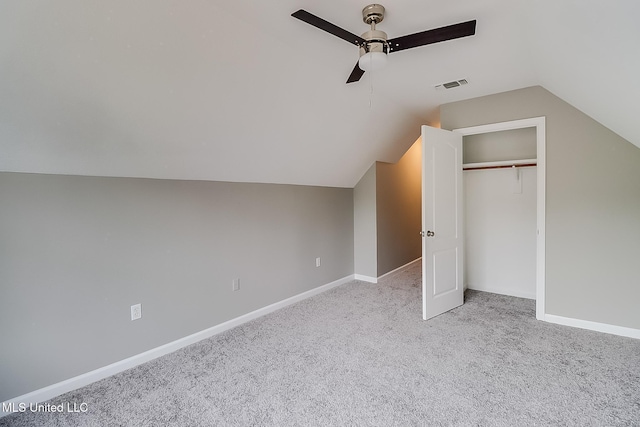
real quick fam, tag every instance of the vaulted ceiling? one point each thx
(241, 91)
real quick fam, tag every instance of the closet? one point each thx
(500, 206)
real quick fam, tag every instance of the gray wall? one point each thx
(77, 252)
(592, 205)
(364, 229)
(513, 144)
(387, 215)
(399, 208)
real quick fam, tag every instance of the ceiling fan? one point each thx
(374, 45)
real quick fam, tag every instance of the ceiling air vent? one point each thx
(451, 85)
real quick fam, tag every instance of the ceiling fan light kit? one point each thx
(374, 45)
(372, 61)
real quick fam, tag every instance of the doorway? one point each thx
(442, 254)
(499, 193)
(538, 126)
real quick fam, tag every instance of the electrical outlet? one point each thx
(318, 262)
(236, 284)
(136, 311)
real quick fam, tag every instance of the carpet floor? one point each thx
(361, 355)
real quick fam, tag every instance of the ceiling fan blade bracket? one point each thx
(375, 46)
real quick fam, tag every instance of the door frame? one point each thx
(539, 123)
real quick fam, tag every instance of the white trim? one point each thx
(82, 380)
(541, 269)
(399, 268)
(364, 278)
(511, 293)
(540, 124)
(593, 326)
(496, 127)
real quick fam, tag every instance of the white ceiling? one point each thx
(241, 91)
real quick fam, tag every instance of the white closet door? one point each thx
(442, 251)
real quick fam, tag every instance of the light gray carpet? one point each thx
(361, 355)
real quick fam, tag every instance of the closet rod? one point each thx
(473, 168)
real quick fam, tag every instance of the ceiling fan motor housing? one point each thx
(376, 42)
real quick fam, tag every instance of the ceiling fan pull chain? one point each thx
(371, 89)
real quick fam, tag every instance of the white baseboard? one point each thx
(364, 278)
(82, 380)
(399, 268)
(370, 279)
(593, 326)
(509, 292)
(567, 321)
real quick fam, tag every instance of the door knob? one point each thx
(430, 234)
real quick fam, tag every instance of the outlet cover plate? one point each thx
(136, 311)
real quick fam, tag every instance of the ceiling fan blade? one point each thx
(436, 35)
(356, 74)
(327, 26)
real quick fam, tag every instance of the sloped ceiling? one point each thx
(241, 91)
